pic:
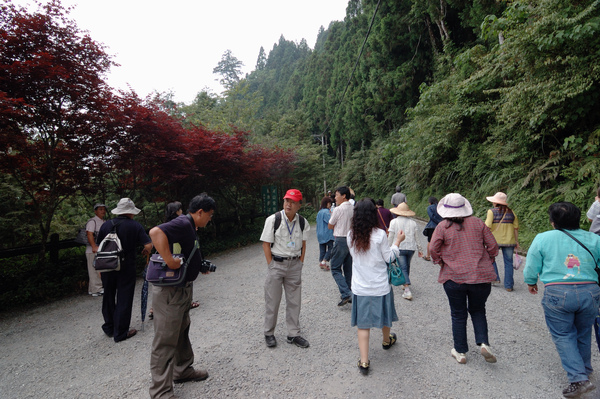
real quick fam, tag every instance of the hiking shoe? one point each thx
(388, 345)
(198, 375)
(407, 294)
(364, 367)
(486, 352)
(460, 357)
(271, 341)
(577, 388)
(345, 301)
(298, 341)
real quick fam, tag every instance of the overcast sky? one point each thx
(174, 45)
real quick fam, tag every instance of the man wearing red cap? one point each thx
(285, 245)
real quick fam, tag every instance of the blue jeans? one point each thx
(325, 251)
(341, 261)
(570, 311)
(404, 262)
(507, 255)
(468, 299)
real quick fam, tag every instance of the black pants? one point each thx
(117, 302)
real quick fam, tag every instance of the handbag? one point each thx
(586, 248)
(517, 259)
(161, 275)
(395, 275)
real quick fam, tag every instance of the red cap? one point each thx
(294, 195)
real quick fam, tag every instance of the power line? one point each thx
(354, 69)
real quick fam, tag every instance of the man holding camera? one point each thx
(172, 354)
(284, 243)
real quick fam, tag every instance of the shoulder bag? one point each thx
(586, 248)
(395, 275)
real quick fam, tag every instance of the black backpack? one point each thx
(278, 223)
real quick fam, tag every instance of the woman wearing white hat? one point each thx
(464, 247)
(409, 245)
(505, 227)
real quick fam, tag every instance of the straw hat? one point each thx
(125, 207)
(454, 205)
(498, 198)
(402, 210)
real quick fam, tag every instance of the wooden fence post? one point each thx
(54, 248)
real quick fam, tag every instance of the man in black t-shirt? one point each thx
(119, 286)
(172, 354)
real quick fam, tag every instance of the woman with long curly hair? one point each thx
(373, 299)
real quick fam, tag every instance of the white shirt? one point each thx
(282, 236)
(93, 225)
(369, 268)
(341, 218)
(409, 226)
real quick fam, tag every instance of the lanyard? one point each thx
(291, 231)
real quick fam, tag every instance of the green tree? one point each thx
(230, 69)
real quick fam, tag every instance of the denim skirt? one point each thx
(373, 311)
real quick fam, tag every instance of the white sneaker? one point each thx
(407, 294)
(486, 352)
(460, 357)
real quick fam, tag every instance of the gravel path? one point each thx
(59, 350)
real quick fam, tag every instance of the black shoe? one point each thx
(298, 341)
(364, 367)
(271, 341)
(345, 301)
(393, 340)
(575, 389)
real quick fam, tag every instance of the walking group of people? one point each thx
(365, 239)
(359, 242)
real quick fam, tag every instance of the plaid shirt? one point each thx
(464, 254)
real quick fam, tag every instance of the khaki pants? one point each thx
(95, 284)
(172, 355)
(283, 275)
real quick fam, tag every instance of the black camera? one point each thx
(207, 266)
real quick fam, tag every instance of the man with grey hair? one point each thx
(119, 286)
(398, 197)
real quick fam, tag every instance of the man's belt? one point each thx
(282, 258)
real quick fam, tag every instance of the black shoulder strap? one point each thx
(278, 222)
(586, 248)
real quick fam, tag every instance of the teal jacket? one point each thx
(556, 258)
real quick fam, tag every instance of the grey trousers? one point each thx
(172, 355)
(283, 275)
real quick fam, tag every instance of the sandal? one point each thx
(364, 367)
(388, 345)
(427, 258)
(194, 305)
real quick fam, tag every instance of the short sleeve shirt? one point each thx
(341, 218)
(287, 240)
(93, 225)
(181, 230)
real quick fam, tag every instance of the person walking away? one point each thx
(92, 227)
(403, 222)
(373, 298)
(505, 227)
(285, 247)
(324, 235)
(119, 286)
(465, 248)
(384, 216)
(564, 260)
(172, 354)
(341, 260)
(593, 214)
(398, 197)
(434, 220)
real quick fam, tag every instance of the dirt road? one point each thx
(59, 350)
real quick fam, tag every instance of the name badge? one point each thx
(291, 244)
